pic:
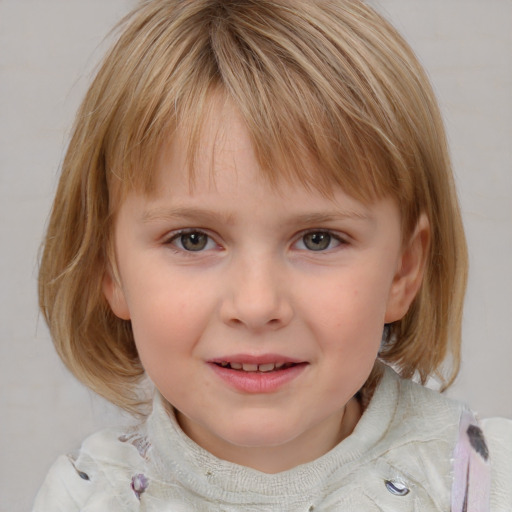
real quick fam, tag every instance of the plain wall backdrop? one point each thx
(48, 50)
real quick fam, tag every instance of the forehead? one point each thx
(227, 181)
(223, 147)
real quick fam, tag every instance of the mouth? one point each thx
(258, 374)
(256, 368)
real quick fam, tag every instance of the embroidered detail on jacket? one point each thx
(477, 440)
(139, 484)
(472, 471)
(140, 442)
(82, 474)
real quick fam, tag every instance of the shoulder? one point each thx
(419, 439)
(421, 413)
(107, 473)
(498, 435)
(424, 428)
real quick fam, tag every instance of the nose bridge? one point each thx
(257, 297)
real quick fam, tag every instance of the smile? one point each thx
(252, 367)
(256, 375)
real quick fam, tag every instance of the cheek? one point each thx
(355, 301)
(166, 333)
(348, 316)
(168, 315)
(166, 321)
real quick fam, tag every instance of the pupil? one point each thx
(194, 241)
(317, 241)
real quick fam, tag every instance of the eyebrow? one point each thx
(183, 213)
(205, 215)
(331, 216)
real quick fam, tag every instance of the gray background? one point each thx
(48, 49)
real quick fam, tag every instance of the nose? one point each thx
(257, 296)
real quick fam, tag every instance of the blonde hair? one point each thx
(327, 80)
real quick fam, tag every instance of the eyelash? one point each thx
(300, 239)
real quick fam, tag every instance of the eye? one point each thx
(192, 241)
(319, 241)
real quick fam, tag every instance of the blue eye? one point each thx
(318, 241)
(192, 241)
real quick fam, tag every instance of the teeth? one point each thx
(251, 367)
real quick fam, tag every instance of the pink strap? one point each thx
(471, 469)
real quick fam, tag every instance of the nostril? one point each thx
(255, 313)
(273, 322)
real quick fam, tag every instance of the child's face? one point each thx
(234, 273)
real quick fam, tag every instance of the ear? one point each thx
(114, 294)
(409, 275)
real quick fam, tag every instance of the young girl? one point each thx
(257, 211)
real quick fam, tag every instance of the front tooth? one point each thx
(266, 367)
(250, 367)
(236, 366)
(279, 365)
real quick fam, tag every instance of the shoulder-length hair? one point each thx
(329, 80)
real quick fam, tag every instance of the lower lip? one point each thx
(258, 382)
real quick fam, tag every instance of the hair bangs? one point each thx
(303, 103)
